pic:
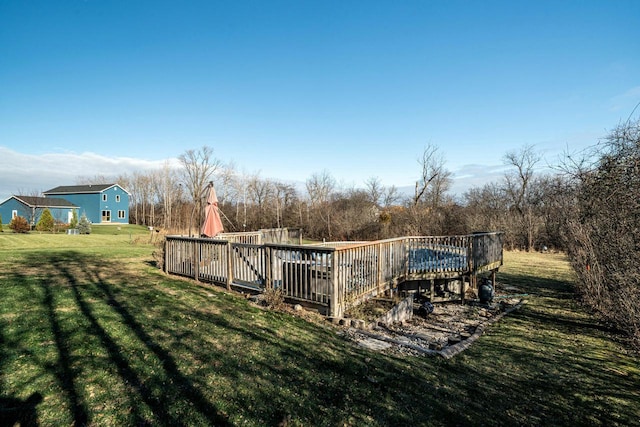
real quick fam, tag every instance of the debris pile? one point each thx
(435, 329)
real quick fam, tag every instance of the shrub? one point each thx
(274, 298)
(1, 230)
(158, 254)
(60, 226)
(84, 225)
(19, 224)
(604, 231)
(45, 223)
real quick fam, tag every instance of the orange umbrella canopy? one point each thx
(212, 223)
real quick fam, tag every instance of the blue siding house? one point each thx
(31, 209)
(101, 203)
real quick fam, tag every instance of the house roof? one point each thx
(44, 202)
(75, 189)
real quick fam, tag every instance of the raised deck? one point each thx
(334, 276)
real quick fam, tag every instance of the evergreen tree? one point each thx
(84, 225)
(45, 223)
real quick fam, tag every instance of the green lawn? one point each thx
(91, 333)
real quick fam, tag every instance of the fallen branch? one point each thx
(452, 350)
(394, 341)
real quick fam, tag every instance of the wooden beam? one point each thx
(196, 261)
(335, 307)
(229, 266)
(268, 268)
(379, 269)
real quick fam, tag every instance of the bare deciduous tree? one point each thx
(285, 198)
(524, 160)
(198, 169)
(259, 193)
(320, 188)
(375, 190)
(518, 188)
(391, 196)
(435, 178)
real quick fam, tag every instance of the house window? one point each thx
(121, 214)
(106, 216)
(14, 214)
(117, 198)
(104, 197)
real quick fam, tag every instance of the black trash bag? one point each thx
(486, 292)
(426, 308)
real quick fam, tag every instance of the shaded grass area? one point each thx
(557, 365)
(97, 338)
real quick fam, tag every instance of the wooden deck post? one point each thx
(335, 307)
(196, 260)
(166, 256)
(470, 255)
(405, 256)
(379, 269)
(229, 265)
(268, 268)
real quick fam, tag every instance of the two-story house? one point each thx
(101, 203)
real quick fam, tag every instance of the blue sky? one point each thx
(289, 88)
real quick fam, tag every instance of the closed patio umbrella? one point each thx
(212, 223)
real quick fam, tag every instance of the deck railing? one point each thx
(334, 276)
(266, 235)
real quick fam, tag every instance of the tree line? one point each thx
(588, 207)
(520, 204)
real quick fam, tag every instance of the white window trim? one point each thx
(104, 197)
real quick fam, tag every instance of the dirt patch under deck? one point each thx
(449, 329)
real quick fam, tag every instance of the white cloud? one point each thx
(29, 173)
(475, 175)
(33, 173)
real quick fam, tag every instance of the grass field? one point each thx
(92, 334)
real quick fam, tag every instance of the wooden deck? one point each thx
(333, 276)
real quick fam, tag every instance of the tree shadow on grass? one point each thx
(19, 412)
(78, 273)
(64, 371)
(180, 381)
(538, 285)
(570, 324)
(270, 377)
(14, 411)
(556, 294)
(97, 322)
(182, 355)
(564, 374)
